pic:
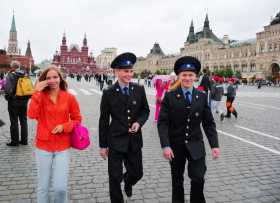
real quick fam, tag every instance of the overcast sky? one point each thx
(128, 25)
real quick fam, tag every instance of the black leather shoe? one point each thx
(23, 143)
(235, 115)
(12, 144)
(222, 116)
(2, 123)
(128, 190)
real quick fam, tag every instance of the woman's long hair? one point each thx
(175, 85)
(62, 85)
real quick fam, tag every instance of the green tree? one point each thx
(158, 72)
(238, 74)
(145, 73)
(228, 72)
(218, 73)
(224, 72)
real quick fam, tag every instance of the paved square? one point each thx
(247, 171)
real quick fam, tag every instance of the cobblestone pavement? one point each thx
(247, 171)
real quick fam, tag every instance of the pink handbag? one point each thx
(80, 137)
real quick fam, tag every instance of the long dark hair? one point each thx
(62, 85)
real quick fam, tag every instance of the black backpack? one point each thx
(11, 84)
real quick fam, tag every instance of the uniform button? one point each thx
(186, 141)
(188, 120)
(128, 118)
(188, 127)
(188, 107)
(187, 134)
(128, 111)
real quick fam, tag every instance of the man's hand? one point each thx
(215, 153)
(57, 129)
(168, 153)
(134, 128)
(104, 153)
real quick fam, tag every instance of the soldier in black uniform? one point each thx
(120, 138)
(182, 111)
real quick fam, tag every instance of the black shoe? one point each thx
(222, 116)
(2, 123)
(128, 190)
(12, 144)
(23, 143)
(235, 115)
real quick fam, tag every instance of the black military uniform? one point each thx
(124, 147)
(179, 128)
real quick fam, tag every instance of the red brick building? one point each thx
(13, 52)
(73, 59)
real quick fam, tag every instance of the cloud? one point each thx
(129, 25)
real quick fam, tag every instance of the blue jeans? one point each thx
(57, 165)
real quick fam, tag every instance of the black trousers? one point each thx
(230, 108)
(17, 111)
(134, 171)
(196, 172)
(101, 83)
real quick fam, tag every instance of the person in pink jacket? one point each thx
(160, 90)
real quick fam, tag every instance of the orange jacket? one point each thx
(65, 111)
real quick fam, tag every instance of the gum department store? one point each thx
(258, 57)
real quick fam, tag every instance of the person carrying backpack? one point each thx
(231, 94)
(216, 94)
(17, 105)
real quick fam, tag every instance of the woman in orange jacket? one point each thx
(57, 112)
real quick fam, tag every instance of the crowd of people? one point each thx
(181, 107)
(215, 87)
(100, 78)
(124, 110)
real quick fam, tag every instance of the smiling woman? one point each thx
(57, 112)
(53, 77)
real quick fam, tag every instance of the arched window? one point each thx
(244, 67)
(270, 47)
(252, 67)
(261, 48)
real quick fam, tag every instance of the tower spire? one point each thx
(85, 40)
(206, 27)
(206, 22)
(192, 27)
(13, 44)
(13, 25)
(64, 39)
(28, 50)
(191, 35)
